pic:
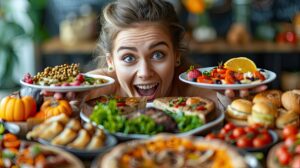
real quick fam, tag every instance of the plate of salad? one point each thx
(147, 122)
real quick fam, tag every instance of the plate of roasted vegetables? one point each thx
(236, 73)
(65, 78)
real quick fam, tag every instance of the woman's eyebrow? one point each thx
(126, 48)
(159, 43)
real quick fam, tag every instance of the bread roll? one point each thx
(291, 100)
(273, 96)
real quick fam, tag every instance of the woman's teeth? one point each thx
(146, 90)
(146, 86)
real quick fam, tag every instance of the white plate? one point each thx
(213, 124)
(73, 88)
(270, 78)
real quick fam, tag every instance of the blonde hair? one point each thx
(122, 14)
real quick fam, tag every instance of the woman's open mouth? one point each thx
(147, 90)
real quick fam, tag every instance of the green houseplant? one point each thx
(15, 26)
(19, 27)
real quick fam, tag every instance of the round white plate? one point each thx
(73, 88)
(270, 78)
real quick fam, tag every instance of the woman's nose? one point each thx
(144, 71)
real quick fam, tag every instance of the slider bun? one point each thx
(291, 100)
(273, 96)
(237, 122)
(265, 108)
(253, 121)
(289, 118)
(239, 109)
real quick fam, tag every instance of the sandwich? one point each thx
(238, 111)
(289, 118)
(263, 114)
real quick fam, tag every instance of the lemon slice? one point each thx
(240, 64)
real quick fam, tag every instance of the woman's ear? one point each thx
(109, 62)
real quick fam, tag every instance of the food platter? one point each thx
(212, 124)
(270, 77)
(108, 81)
(86, 154)
(271, 161)
(249, 159)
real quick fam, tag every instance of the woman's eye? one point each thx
(158, 55)
(129, 58)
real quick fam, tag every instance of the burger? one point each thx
(263, 114)
(272, 96)
(289, 118)
(238, 111)
(291, 100)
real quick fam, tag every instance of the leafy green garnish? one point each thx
(206, 73)
(8, 154)
(110, 118)
(185, 122)
(35, 150)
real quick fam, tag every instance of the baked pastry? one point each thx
(168, 151)
(264, 114)
(291, 100)
(188, 105)
(67, 136)
(71, 133)
(289, 118)
(273, 96)
(51, 131)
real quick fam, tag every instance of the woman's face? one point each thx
(144, 60)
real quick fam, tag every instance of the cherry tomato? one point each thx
(238, 132)
(229, 126)
(224, 131)
(256, 126)
(244, 142)
(280, 150)
(229, 78)
(289, 141)
(238, 76)
(259, 142)
(221, 136)
(210, 136)
(296, 162)
(251, 130)
(266, 137)
(289, 130)
(284, 157)
(297, 149)
(291, 37)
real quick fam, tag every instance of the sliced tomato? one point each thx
(229, 77)
(203, 79)
(258, 75)
(284, 157)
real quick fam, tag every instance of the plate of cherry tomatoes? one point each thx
(220, 78)
(287, 153)
(251, 138)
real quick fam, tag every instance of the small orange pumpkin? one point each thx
(54, 107)
(17, 108)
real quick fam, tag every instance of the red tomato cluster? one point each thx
(288, 154)
(243, 137)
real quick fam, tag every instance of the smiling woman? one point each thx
(141, 44)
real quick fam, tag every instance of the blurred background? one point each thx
(35, 34)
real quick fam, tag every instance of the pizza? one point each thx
(188, 105)
(169, 151)
(126, 105)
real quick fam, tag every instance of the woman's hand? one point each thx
(244, 92)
